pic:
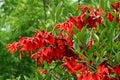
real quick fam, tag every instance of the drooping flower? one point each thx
(72, 66)
(13, 47)
(65, 26)
(93, 19)
(39, 40)
(56, 51)
(79, 21)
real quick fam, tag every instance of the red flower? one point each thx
(69, 42)
(84, 75)
(117, 70)
(87, 76)
(109, 16)
(65, 26)
(56, 51)
(92, 19)
(71, 65)
(99, 20)
(116, 5)
(40, 39)
(12, 47)
(103, 70)
(96, 76)
(78, 69)
(79, 21)
(45, 54)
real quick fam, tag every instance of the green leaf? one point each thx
(76, 47)
(96, 37)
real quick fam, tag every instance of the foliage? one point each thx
(82, 47)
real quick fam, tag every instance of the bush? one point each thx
(84, 47)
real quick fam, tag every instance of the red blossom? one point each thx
(99, 20)
(70, 64)
(39, 40)
(65, 26)
(79, 21)
(103, 70)
(93, 19)
(109, 16)
(116, 5)
(96, 76)
(86, 76)
(73, 67)
(43, 55)
(12, 47)
(56, 51)
(117, 70)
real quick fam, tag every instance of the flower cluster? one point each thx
(116, 9)
(27, 44)
(83, 71)
(44, 46)
(58, 51)
(48, 47)
(89, 18)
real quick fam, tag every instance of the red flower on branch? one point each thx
(103, 70)
(73, 67)
(65, 26)
(27, 44)
(56, 51)
(13, 47)
(79, 21)
(93, 19)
